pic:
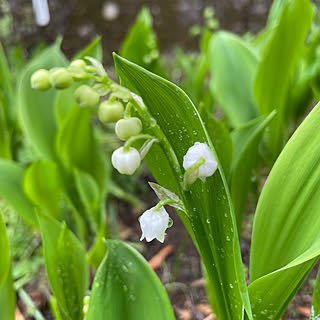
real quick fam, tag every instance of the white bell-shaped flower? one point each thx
(197, 151)
(126, 162)
(154, 223)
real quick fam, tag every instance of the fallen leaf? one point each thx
(18, 315)
(205, 309)
(156, 261)
(305, 311)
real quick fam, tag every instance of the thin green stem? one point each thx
(163, 203)
(131, 140)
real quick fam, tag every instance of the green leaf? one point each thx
(246, 140)
(5, 137)
(66, 266)
(125, 287)
(36, 108)
(4, 253)
(7, 299)
(6, 88)
(315, 308)
(208, 205)
(285, 242)
(220, 138)
(275, 70)
(233, 67)
(64, 100)
(11, 189)
(94, 49)
(89, 194)
(42, 186)
(140, 44)
(77, 147)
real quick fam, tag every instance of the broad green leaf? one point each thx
(4, 253)
(36, 108)
(285, 242)
(220, 138)
(64, 100)
(140, 44)
(315, 308)
(125, 287)
(90, 195)
(42, 186)
(208, 205)
(275, 70)
(233, 68)
(66, 266)
(11, 190)
(98, 250)
(77, 147)
(246, 140)
(7, 299)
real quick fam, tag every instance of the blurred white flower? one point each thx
(154, 223)
(126, 162)
(197, 151)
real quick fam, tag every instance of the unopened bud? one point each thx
(40, 80)
(60, 78)
(126, 161)
(79, 63)
(86, 97)
(126, 128)
(110, 111)
(77, 69)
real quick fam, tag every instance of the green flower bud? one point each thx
(77, 69)
(126, 128)
(40, 80)
(79, 63)
(110, 111)
(86, 97)
(60, 78)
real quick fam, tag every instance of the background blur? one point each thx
(80, 20)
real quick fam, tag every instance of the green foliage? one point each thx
(11, 189)
(36, 109)
(208, 206)
(246, 141)
(125, 287)
(42, 186)
(66, 267)
(4, 253)
(286, 223)
(278, 61)
(233, 66)
(7, 299)
(140, 45)
(315, 308)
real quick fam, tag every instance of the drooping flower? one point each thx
(154, 223)
(196, 152)
(126, 161)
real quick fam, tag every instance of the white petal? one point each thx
(153, 224)
(201, 150)
(126, 162)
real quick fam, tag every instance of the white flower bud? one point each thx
(197, 151)
(153, 224)
(126, 162)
